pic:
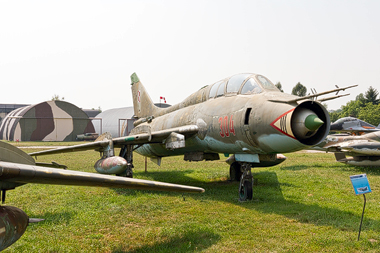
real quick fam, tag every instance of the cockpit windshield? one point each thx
(214, 88)
(266, 83)
(250, 87)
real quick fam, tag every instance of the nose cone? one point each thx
(335, 127)
(305, 123)
(312, 122)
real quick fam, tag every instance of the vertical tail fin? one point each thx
(142, 103)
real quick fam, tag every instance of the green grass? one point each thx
(305, 204)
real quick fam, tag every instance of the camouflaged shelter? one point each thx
(47, 121)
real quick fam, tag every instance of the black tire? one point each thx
(246, 191)
(235, 171)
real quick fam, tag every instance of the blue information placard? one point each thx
(360, 184)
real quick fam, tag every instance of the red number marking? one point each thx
(226, 132)
(221, 127)
(226, 127)
(232, 129)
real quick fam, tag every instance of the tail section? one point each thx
(142, 103)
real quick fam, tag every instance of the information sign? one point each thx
(360, 184)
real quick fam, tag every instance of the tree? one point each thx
(371, 96)
(56, 98)
(370, 113)
(279, 86)
(352, 109)
(361, 98)
(365, 107)
(299, 90)
(335, 115)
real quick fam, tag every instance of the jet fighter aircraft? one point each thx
(244, 116)
(353, 125)
(18, 168)
(363, 149)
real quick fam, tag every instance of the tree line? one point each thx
(365, 106)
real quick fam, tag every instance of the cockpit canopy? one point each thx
(244, 84)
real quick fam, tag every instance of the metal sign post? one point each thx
(361, 186)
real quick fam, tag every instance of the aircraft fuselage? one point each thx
(235, 124)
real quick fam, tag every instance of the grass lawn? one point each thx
(306, 204)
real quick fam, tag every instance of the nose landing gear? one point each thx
(242, 172)
(246, 181)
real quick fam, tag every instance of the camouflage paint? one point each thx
(363, 149)
(47, 121)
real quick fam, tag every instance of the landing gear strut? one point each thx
(235, 171)
(127, 153)
(246, 180)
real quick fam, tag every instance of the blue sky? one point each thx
(85, 51)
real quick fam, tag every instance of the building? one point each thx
(115, 121)
(7, 108)
(118, 121)
(46, 121)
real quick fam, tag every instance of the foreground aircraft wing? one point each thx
(18, 174)
(158, 136)
(135, 139)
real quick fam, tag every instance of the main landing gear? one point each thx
(242, 172)
(127, 153)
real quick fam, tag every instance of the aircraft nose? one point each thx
(312, 122)
(308, 123)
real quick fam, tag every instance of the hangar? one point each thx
(118, 121)
(47, 121)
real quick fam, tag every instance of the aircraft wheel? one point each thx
(235, 171)
(246, 191)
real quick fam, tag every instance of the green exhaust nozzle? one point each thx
(312, 122)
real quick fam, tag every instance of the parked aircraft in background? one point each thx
(18, 168)
(353, 125)
(363, 149)
(245, 117)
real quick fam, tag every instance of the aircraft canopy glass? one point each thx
(220, 91)
(345, 119)
(233, 85)
(214, 88)
(254, 85)
(250, 87)
(266, 83)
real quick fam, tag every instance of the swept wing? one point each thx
(19, 174)
(136, 139)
